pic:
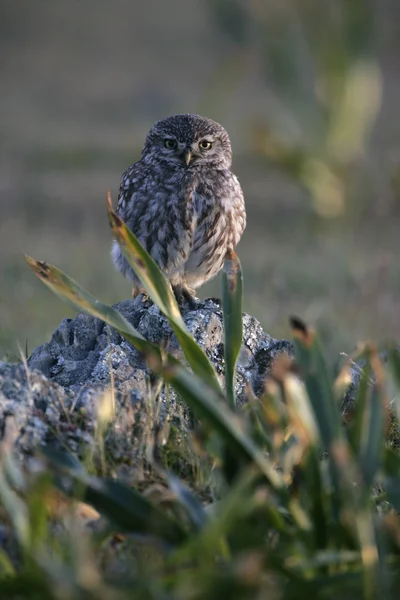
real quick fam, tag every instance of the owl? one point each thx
(182, 202)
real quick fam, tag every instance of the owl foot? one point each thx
(139, 291)
(142, 302)
(184, 296)
(140, 297)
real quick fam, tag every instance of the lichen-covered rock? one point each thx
(24, 394)
(61, 395)
(84, 351)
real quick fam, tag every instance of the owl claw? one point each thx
(139, 295)
(184, 296)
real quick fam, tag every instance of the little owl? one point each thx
(182, 202)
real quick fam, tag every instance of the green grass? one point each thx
(307, 504)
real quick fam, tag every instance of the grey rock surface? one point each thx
(84, 351)
(358, 373)
(55, 398)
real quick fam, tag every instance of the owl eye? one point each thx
(205, 145)
(170, 143)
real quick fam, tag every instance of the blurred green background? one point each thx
(309, 92)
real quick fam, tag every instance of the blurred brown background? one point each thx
(309, 92)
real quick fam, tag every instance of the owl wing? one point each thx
(238, 211)
(132, 181)
(160, 217)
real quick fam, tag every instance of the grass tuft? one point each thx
(298, 489)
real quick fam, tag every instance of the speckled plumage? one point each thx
(182, 202)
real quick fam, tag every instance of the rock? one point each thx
(56, 398)
(358, 374)
(84, 351)
(24, 396)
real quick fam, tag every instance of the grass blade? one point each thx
(355, 426)
(162, 295)
(125, 507)
(394, 364)
(232, 293)
(231, 514)
(208, 405)
(392, 489)
(319, 387)
(377, 417)
(394, 361)
(318, 382)
(76, 296)
(353, 500)
(193, 507)
(371, 443)
(145, 267)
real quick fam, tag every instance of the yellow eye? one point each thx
(169, 143)
(205, 145)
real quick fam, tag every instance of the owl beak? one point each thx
(187, 155)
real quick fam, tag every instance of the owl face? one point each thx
(188, 142)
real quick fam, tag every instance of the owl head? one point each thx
(188, 142)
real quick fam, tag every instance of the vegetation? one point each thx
(303, 503)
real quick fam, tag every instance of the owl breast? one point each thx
(219, 221)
